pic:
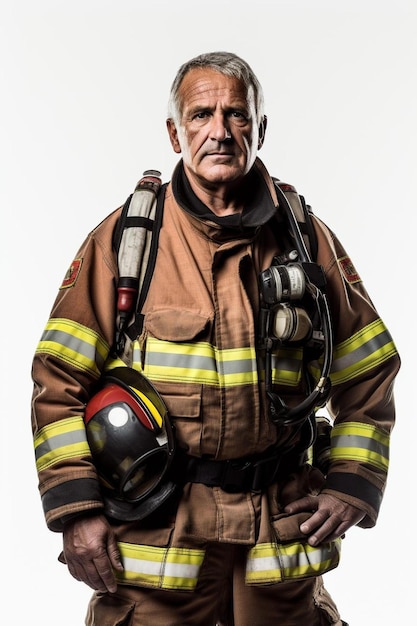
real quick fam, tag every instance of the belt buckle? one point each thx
(235, 476)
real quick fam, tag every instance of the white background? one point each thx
(84, 87)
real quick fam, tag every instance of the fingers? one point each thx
(97, 573)
(321, 527)
(330, 517)
(308, 503)
(91, 552)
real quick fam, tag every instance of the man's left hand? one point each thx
(330, 518)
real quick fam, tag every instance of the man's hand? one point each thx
(330, 517)
(91, 552)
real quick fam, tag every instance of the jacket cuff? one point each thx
(357, 491)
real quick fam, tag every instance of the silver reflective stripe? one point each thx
(362, 352)
(360, 442)
(185, 361)
(154, 568)
(60, 441)
(75, 344)
(364, 443)
(272, 563)
(163, 568)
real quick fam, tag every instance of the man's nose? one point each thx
(219, 129)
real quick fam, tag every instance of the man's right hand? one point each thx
(91, 552)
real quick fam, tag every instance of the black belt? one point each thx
(239, 475)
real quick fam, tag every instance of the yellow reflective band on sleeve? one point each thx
(360, 442)
(273, 563)
(61, 441)
(163, 568)
(362, 352)
(75, 344)
(200, 363)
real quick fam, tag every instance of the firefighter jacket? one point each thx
(199, 348)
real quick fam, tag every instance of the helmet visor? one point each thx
(143, 475)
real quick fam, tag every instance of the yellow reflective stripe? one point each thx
(113, 362)
(60, 441)
(286, 366)
(363, 351)
(272, 563)
(360, 442)
(233, 367)
(165, 568)
(200, 363)
(75, 344)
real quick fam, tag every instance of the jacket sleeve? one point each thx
(361, 403)
(66, 366)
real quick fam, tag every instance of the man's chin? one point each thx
(221, 173)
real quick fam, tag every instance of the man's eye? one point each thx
(238, 115)
(201, 115)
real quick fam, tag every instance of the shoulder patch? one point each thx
(348, 270)
(286, 186)
(72, 274)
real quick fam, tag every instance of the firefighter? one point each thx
(223, 519)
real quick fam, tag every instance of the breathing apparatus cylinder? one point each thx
(133, 244)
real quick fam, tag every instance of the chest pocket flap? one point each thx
(177, 326)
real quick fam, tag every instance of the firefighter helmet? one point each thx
(132, 444)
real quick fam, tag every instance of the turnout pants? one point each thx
(220, 599)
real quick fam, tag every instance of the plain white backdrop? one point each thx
(84, 88)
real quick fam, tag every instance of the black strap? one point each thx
(253, 474)
(308, 229)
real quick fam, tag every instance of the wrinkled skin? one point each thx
(91, 552)
(218, 137)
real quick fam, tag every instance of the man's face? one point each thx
(214, 106)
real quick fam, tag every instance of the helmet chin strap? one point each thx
(132, 512)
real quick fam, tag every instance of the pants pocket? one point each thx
(109, 610)
(326, 605)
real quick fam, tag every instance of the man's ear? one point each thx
(173, 135)
(262, 130)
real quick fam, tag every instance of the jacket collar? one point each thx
(261, 204)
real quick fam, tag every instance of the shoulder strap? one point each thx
(135, 241)
(294, 206)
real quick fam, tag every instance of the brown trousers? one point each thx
(220, 599)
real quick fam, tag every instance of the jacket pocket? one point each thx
(306, 481)
(176, 353)
(177, 326)
(180, 405)
(287, 527)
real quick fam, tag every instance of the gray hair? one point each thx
(225, 63)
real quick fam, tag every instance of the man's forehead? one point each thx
(204, 83)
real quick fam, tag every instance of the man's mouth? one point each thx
(219, 153)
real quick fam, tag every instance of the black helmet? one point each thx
(132, 444)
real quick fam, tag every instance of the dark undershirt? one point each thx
(257, 210)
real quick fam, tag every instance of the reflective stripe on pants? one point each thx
(221, 598)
